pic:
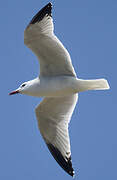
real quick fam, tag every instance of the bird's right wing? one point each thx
(39, 37)
(53, 115)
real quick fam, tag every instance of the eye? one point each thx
(23, 85)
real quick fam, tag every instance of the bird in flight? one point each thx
(57, 84)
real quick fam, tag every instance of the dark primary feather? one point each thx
(65, 164)
(47, 10)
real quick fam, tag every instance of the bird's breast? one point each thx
(56, 86)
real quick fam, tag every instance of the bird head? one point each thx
(21, 89)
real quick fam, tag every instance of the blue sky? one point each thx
(88, 29)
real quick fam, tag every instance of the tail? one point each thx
(95, 84)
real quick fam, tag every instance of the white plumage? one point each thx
(57, 83)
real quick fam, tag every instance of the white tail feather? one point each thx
(94, 84)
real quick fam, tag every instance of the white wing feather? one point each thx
(53, 57)
(53, 116)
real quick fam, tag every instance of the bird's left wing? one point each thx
(53, 115)
(39, 37)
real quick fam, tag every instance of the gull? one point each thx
(57, 84)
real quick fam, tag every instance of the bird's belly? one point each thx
(57, 86)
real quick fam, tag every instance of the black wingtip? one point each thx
(65, 164)
(46, 10)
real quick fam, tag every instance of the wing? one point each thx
(39, 37)
(53, 115)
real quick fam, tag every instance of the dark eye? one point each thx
(23, 85)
